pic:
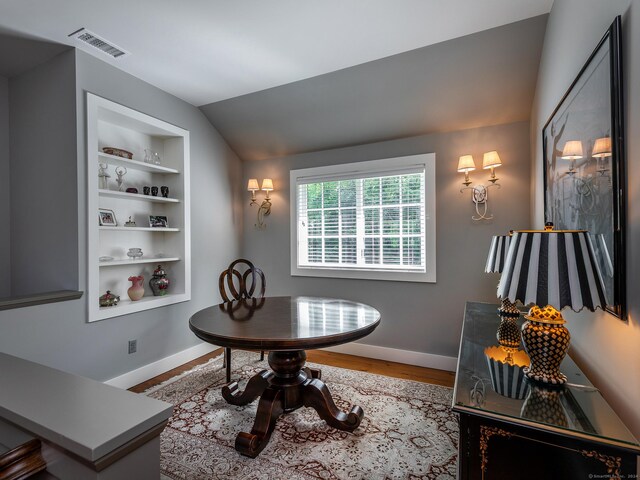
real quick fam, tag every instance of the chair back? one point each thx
(241, 280)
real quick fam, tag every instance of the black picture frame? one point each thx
(584, 188)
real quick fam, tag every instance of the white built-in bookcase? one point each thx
(112, 125)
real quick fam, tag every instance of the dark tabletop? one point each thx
(582, 409)
(284, 323)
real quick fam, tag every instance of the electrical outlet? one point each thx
(133, 346)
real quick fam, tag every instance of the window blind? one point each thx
(363, 220)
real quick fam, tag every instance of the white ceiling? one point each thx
(204, 51)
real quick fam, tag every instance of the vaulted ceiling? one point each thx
(486, 78)
(205, 51)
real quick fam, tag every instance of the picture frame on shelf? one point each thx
(158, 221)
(107, 218)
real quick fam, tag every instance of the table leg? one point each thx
(255, 387)
(269, 409)
(317, 396)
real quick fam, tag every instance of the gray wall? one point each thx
(44, 224)
(5, 237)
(420, 317)
(606, 348)
(57, 334)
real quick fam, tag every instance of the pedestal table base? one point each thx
(287, 387)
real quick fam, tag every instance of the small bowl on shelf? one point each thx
(134, 253)
(118, 152)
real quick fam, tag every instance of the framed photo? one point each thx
(584, 159)
(107, 218)
(158, 221)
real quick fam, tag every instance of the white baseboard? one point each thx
(419, 359)
(439, 362)
(141, 374)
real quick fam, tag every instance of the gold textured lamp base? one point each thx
(546, 341)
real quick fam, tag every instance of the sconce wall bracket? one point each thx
(480, 197)
(263, 211)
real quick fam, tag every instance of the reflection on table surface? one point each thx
(578, 407)
(286, 317)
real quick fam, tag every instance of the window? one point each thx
(372, 220)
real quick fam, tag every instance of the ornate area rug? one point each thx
(408, 431)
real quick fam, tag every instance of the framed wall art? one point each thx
(584, 160)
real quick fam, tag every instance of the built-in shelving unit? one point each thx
(113, 125)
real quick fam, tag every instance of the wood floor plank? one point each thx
(363, 364)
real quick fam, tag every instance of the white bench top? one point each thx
(81, 415)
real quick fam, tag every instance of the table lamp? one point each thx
(508, 333)
(551, 269)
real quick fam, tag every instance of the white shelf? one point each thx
(128, 261)
(109, 123)
(140, 229)
(126, 306)
(136, 196)
(138, 165)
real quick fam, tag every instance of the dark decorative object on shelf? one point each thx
(154, 191)
(159, 283)
(109, 299)
(118, 152)
(158, 221)
(165, 191)
(132, 190)
(584, 163)
(146, 190)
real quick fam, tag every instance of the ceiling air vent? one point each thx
(85, 36)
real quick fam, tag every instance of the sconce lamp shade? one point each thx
(267, 185)
(602, 148)
(252, 185)
(572, 150)
(497, 254)
(552, 267)
(491, 159)
(466, 164)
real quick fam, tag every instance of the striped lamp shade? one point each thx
(552, 267)
(497, 253)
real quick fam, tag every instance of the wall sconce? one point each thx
(602, 150)
(479, 193)
(265, 207)
(572, 151)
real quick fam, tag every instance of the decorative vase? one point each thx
(159, 283)
(165, 191)
(508, 333)
(154, 191)
(546, 341)
(136, 290)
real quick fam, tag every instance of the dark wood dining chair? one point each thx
(241, 280)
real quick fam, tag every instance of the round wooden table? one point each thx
(286, 327)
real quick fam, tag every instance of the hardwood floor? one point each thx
(371, 365)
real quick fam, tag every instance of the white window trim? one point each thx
(429, 162)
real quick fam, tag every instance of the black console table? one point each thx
(529, 431)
